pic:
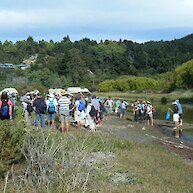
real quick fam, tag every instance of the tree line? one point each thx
(88, 63)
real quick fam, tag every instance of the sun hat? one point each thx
(174, 103)
(148, 102)
(63, 92)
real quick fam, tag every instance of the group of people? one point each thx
(87, 111)
(79, 110)
(8, 106)
(143, 112)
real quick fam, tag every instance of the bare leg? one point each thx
(79, 125)
(62, 127)
(67, 126)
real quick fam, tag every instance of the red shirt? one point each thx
(9, 102)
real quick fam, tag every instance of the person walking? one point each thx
(5, 107)
(176, 119)
(52, 109)
(13, 99)
(63, 110)
(26, 111)
(40, 107)
(123, 107)
(90, 115)
(179, 111)
(117, 105)
(110, 103)
(149, 112)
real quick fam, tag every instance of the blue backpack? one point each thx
(5, 108)
(51, 107)
(81, 105)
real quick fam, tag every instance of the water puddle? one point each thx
(187, 135)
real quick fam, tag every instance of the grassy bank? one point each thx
(185, 96)
(82, 161)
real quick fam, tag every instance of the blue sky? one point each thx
(135, 20)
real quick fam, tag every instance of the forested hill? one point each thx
(80, 60)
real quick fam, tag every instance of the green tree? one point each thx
(183, 76)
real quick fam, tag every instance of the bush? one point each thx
(128, 83)
(11, 137)
(69, 163)
(106, 86)
(163, 100)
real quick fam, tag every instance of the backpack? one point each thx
(102, 107)
(51, 107)
(29, 108)
(81, 105)
(4, 108)
(93, 112)
(42, 106)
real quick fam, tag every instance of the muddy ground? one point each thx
(161, 132)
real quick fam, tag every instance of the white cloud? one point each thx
(105, 17)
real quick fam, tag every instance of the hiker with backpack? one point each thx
(27, 110)
(91, 113)
(78, 107)
(96, 105)
(52, 109)
(5, 106)
(40, 108)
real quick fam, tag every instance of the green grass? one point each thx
(184, 95)
(81, 161)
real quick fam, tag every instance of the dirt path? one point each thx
(161, 133)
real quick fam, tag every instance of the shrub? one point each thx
(11, 137)
(163, 100)
(128, 83)
(106, 86)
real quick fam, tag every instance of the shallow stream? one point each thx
(187, 134)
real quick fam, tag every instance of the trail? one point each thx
(161, 133)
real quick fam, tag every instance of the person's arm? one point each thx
(10, 108)
(172, 112)
(55, 105)
(73, 107)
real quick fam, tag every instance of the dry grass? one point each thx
(98, 162)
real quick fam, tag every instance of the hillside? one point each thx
(86, 62)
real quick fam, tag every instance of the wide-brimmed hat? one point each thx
(174, 103)
(148, 102)
(64, 92)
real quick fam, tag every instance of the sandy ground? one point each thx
(161, 132)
